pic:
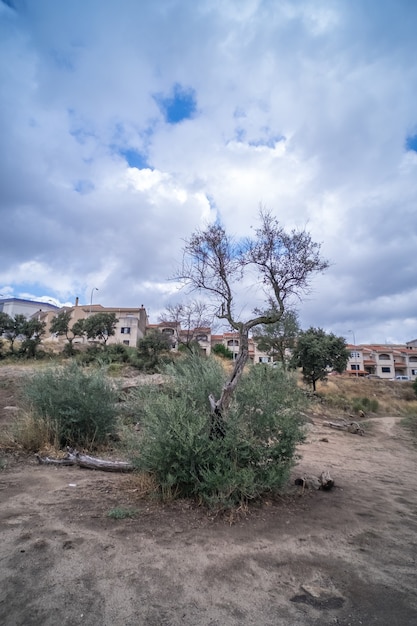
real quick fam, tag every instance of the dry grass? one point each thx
(29, 434)
(140, 484)
(342, 394)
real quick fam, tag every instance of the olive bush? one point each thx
(79, 407)
(178, 445)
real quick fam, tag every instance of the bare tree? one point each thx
(284, 263)
(189, 320)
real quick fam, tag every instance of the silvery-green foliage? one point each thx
(262, 429)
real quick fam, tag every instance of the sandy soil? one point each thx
(344, 557)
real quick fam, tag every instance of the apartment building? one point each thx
(131, 322)
(231, 342)
(385, 361)
(207, 340)
(184, 337)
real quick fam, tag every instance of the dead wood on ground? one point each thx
(351, 427)
(89, 462)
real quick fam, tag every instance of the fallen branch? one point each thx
(350, 427)
(90, 462)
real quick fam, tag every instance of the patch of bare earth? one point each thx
(344, 557)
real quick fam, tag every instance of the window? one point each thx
(386, 370)
(413, 359)
(413, 372)
(354, 367)
(126, 342)
(355, 355)
(125, 330)
(233, 342)
(168, 331)
(384, 357)
(201, 337)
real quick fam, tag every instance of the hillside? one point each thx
(306, 558)
(344, 394)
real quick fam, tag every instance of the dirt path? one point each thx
(346, 557)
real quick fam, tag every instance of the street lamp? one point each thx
(91, 297)
(356, 353)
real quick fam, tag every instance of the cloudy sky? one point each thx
(127, 124)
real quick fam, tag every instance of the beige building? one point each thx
(384, 361)
(231, 342)
(130, 327)
(207, 341)
(184, 337)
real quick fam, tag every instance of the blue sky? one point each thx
(125, 126)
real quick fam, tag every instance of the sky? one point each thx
(126, 125)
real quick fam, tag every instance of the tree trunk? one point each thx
(223, 402)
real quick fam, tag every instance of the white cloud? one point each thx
(303, 107)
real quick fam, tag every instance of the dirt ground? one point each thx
(344, 557)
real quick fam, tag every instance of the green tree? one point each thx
(221, 350)
(60, 325)
(5, 323)
(317, 353)
(151, 347)
(100, 326)
(31, 332)
(15, 329)
(276, 339)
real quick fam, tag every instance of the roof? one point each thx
(25, 301)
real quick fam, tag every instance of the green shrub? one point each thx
(222, 351)
(367, 405)
(78, 408)
(252, 459)
(93, 354)
(153, 351)
(116, 353)
(105, 354)
(122, 513)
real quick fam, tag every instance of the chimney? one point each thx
(76, 301)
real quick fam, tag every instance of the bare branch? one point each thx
(284, 263)
(188, 320)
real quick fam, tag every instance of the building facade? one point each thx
(28, 308)
(130, 328)
(206, 340)
(231, 342)
(384, 361)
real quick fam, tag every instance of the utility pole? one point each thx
(91, 297)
